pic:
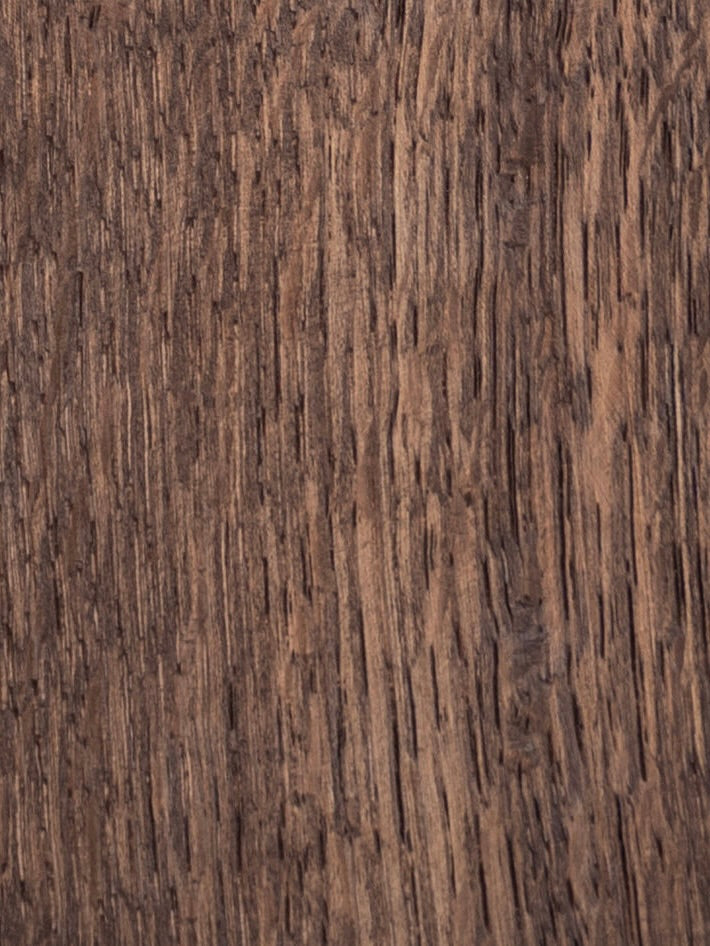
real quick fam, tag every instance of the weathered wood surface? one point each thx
(354, 420)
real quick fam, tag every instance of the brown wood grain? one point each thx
(354, 486)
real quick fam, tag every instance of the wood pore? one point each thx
(354, 485)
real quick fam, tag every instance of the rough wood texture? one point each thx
(354, 420)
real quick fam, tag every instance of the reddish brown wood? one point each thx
(354, 472)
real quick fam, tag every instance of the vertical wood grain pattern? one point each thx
(354, 490)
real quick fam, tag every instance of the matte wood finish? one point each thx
(354, 576)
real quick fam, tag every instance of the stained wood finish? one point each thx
(354, 572)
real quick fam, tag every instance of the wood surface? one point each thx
(354, 486)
